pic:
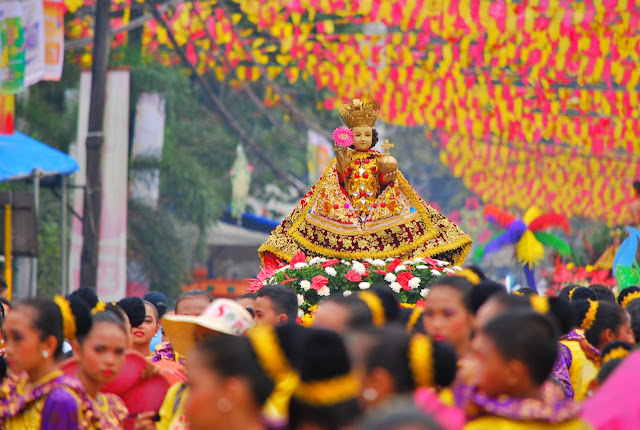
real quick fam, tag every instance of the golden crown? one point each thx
(360, 114)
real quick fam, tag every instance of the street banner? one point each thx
(7, 113)
(112, 259)
(148, 141)
(54, 39)
(33, 28)
(240, 182)
(79, 153)
(12, 58)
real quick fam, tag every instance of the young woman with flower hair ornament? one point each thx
(554, 307)
(100, 354)
(596, 324)
(227, 386)
(449, 313)
(36, 395)
(627, 295)
(515, 352)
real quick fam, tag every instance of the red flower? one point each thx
(271, 261)
(392, 266)
(288, 279)
(380, 272)
(298, 258)
(353, 276)
(331, 262)
(318, 282)
(403, 280)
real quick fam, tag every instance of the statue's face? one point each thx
(362, 138)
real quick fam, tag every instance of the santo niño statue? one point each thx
(363, 207)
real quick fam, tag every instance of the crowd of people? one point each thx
(472, 356)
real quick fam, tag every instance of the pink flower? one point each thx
(331, 262)
(430, 261)
(343, 136)
(318, 282)
(403, 279)
(256, 284)
(353, 276)
(266, 273)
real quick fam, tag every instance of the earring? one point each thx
(224, 405)
(370, 394)
(45, 354)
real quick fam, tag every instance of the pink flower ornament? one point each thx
(343, 136)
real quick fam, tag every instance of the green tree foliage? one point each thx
(158, 243)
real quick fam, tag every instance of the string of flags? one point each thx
(539, 97)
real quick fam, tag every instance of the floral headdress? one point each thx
(413, 319)
(68, 319)
(99, 307)
(421, 360)
(326, 378)
(470, 276)
(615, 354)
(540, 304)
(590, 316)
(374, 303)
(631, 296)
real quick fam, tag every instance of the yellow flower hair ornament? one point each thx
(629, 297)
(68, 319)
(517, 293)
(329, 392)
(615, 354)
(413, 319)
(374, 303)
(421, 360)
(99, 307)
(571, 291)
(470, 276)
(590, 316)
(271, 356)
(540, 304)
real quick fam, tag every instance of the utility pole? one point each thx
(95, 139)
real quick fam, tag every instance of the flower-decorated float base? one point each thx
(399, 225)
(321, 277)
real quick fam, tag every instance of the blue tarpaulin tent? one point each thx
(21, 155)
